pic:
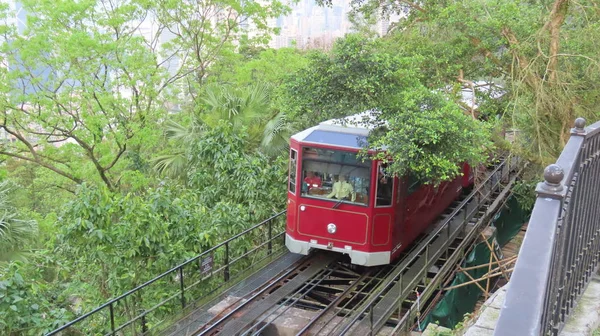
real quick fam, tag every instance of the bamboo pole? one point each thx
(487, 284)
(493, 254)
(475, 281)
(504, 261)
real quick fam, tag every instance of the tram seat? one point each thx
(361, 198)
(318, 191)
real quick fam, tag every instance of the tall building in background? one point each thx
(309, 25)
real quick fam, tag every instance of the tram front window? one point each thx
(335, 175)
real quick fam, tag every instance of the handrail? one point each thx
(561, 248)
(179, 268)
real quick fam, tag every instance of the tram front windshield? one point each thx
(335, 176)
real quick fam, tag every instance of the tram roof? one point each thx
(351, 131)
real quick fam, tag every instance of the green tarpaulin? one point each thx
(459, 301)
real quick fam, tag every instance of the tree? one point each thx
(245, 109)
(276, 135)
(201, 32)
(267, 66)
(117, 241)
(81, 89)
(29, 304)
(423, 130)
(85, 87)
(246, 105)
(531, 47)
(271, 66)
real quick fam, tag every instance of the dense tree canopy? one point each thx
(423, 129)
(533, 48)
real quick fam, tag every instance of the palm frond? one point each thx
(175, 131)
(276, 135)
(173, 165)
(15, 233)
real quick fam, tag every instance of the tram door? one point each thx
(384, 214)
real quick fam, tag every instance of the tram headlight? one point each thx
(331, 228)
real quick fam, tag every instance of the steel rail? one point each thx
(381, 275)
(371, 280)
(270, 284)
(331, 305)
(298, 291)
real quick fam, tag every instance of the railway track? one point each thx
(337, 298)
(246, 310)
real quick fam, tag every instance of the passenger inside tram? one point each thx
(342, 190)
(312, 180)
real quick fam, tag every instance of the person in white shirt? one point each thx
(342, 189)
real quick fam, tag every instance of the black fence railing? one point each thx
(561, 247)
(146, 306)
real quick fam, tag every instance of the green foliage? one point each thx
(430, 142)
(82, 76)
(29, 304)
(423, 131)
(532, 49)
(200, 40)
(39, 190)
(460, 326)
(16, 234)
(79, 73)
(524, 191)
(223, 172)
(276, 135)
(269, 66)
(116, 241)
(270, 127)
(241, 106)
(356, 76)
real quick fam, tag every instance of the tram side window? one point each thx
(385, 187)
(413, 183)
(293, 166)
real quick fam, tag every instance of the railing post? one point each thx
(226, 271)
(112, 318)
(182, 286)
(371, 320)
(270, 236)
(144, 325)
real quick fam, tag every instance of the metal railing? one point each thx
(561, 247)
(144, 307)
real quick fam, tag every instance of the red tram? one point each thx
(337, 202)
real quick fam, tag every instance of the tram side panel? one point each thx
(418, 208)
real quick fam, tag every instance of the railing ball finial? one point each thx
(579, 125)
(553, 175)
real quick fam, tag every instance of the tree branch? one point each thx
(557, 17)
(43, 164)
